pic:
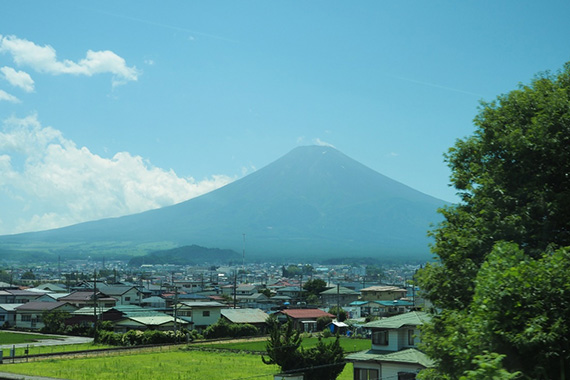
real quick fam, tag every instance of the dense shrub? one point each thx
(224, 329)
(137, 338)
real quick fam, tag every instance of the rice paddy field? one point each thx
(170, 365)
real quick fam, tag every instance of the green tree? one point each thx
(283, 345)
(513, 178)
(54, 321)
(325, 361)
(315, 286)
(339, 312)
(28, 275)
(5, 276)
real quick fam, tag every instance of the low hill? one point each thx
(187, 255)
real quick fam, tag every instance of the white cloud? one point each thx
(18, 78)
(320, 142)
(46, 181)
(44, 60)
(4, 96)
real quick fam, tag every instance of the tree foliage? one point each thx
(513, 178)
(339, 312)
(315, 286)
(54, 321)
(283, 345)
(224, 329)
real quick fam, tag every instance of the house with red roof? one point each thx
(303, 319)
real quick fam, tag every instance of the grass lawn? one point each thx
(188, 365)
(16, 338)
(35, 350)
(348, 344)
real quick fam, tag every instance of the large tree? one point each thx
(513, 178)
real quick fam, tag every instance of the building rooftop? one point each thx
(245, 315)
(414, 318)
(408, 356)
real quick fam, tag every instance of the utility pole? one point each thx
(243, 254)
(338, 302)
(95, 302)
(301, 288)
(175, 308)
(235, 289)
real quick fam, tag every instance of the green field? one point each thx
(17, 338)
(349, 345)
(188, 365)
(36, 350)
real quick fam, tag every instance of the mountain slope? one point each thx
(312, 201)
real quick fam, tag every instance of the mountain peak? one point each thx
(312, 201)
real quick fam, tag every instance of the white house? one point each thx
(200, 314)
(29, 315)
(394, 353)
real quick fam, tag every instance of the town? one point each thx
(342, 299)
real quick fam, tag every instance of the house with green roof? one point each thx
(339, 295)
(394, 353)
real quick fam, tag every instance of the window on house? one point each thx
(127, 298)
(26, 318)
(411, 337)
(366, 374)
(380, 338)
(2, 318)
(206, 313)
(406, 376)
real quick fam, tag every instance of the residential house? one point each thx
(81, 299)
(389, 308)
(394, 353)
(154, 302)
(8, 314)
(128, 317)
(18, 296)
(255, 317)
(124, 294)
(339, 295)
(52, 288)
(292, 292)
(29, 315)
(358, 309)
(382, 293)
(200, 314)
(254, 301)
(303, 319)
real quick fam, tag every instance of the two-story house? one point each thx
(394, 353)
(382, 293)
(339, 295)
(200, 314)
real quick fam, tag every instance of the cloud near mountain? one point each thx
(47, 181)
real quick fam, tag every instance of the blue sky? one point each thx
(109, 108)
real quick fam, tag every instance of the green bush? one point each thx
(224, 329)
(138, 338)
